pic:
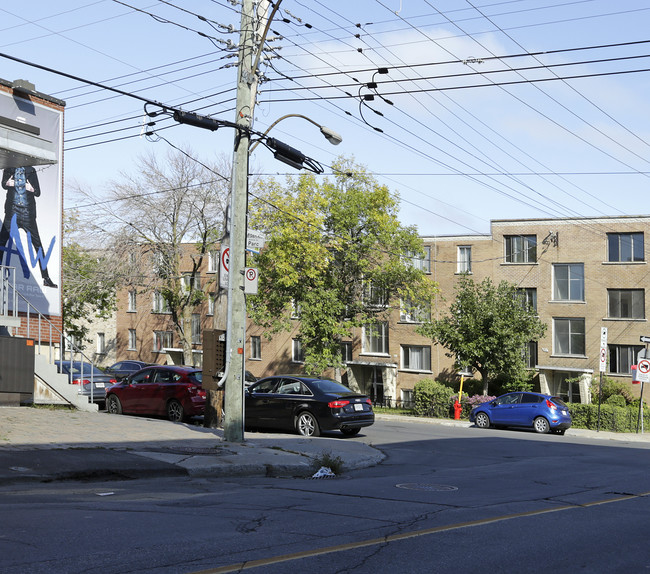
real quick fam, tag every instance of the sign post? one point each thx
(603, 368)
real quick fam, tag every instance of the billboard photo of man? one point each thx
(22, 186)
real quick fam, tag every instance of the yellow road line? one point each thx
(249, 565)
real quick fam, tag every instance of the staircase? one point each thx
(50, 387)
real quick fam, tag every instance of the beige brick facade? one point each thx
(577, 287)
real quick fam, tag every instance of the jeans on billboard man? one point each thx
(23, 188)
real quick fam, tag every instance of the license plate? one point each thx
(99, 385)
(358, 407)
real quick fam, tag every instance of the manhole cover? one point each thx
(429, 487)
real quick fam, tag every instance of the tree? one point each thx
(335, 253)
(487, 329)
(89, 285)
(151, 216)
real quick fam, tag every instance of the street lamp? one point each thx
(329, 134)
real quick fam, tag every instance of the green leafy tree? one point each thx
(89, 283)
(337, 255)
(487, 329)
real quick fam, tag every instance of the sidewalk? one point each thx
(43, 445)
(38, 444)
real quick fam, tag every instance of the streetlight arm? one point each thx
(329, 134)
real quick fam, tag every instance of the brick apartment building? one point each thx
(582, 274)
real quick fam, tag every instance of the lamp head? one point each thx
(331, 136)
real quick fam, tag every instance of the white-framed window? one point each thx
(406, 396)
(101, 343)
(569, 336)
(521, 248)
(464, 259)
(190, 281)
(211, 303)
(528, 297)
(213, 261)
(346, 351)
(133, 304)
(297, 354)
(160, 304)
(626, 303)
(421, 261)
(409, 313)
(374, 295)
(622, 357)
(196, 329)
(256, 347)
(295, 309)
(375, 338)
(568, 282)
(162, 340)
(530, 354)
(416, 357)
(625, 247)
(133, 340)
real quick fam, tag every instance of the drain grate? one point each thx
(428, 487)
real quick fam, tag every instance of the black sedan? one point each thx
(306, 405)
(122, 369)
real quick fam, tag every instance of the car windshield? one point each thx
(327, 386)
(558, 401)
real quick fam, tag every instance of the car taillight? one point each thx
(550, 405)
(338, 404)
(80, 382)
(369, 402)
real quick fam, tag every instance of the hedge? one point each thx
(612, 418)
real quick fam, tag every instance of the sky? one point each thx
(480, 110)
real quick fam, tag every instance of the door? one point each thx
(135, 393)
(502, 411)
(259, 403)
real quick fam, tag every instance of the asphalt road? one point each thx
(446, 499)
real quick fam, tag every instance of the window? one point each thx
(133, 341)
(213, 261)
(528, 297)
(160, 304)
(132, 301)
(190, 281)
(622, 357)
(375, 295)
(406, 396)
(196, 329)
(162, 340)
(530, 354)
(569, 336)
(101, 343)
(521, 248)
(626, 303)
(568, 282)
(421, 261)
(346, 351)
(297, 354)
(375, 338)
(415, 358)
(625, 247)
(464, 259)
(256, 347)
(295, 309)
(410, 313)
(211, 303)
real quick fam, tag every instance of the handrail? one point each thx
(65, 342)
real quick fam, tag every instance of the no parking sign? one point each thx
(643, 371)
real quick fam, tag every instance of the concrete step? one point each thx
(53, 388)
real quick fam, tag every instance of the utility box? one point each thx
(214, 357)
(16, 370)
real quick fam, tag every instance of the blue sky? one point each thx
(478, 128)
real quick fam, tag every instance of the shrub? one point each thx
(612, 418)
(610, 388)
(616, 400)
(432, 399)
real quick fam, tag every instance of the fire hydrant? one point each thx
(458, 408)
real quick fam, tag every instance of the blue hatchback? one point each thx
(543, 413)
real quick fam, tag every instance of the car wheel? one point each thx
(307, 425)
(175, 411)
(113, 405)
(350, 431)
(482, 421)
(540, 424)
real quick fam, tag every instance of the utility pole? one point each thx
(236, 337)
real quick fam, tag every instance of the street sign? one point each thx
(644, 339)
(643, 370)
(251, 277)
(224, 266)
(603, 350)
(255, 240)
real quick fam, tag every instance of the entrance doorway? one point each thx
(567, 386)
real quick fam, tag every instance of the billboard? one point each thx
(32, 199)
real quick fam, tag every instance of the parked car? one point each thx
(171, 391)
(123, 369)
(306, 405)
(82, 373)
(543, 413)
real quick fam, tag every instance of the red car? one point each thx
(174, 392)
